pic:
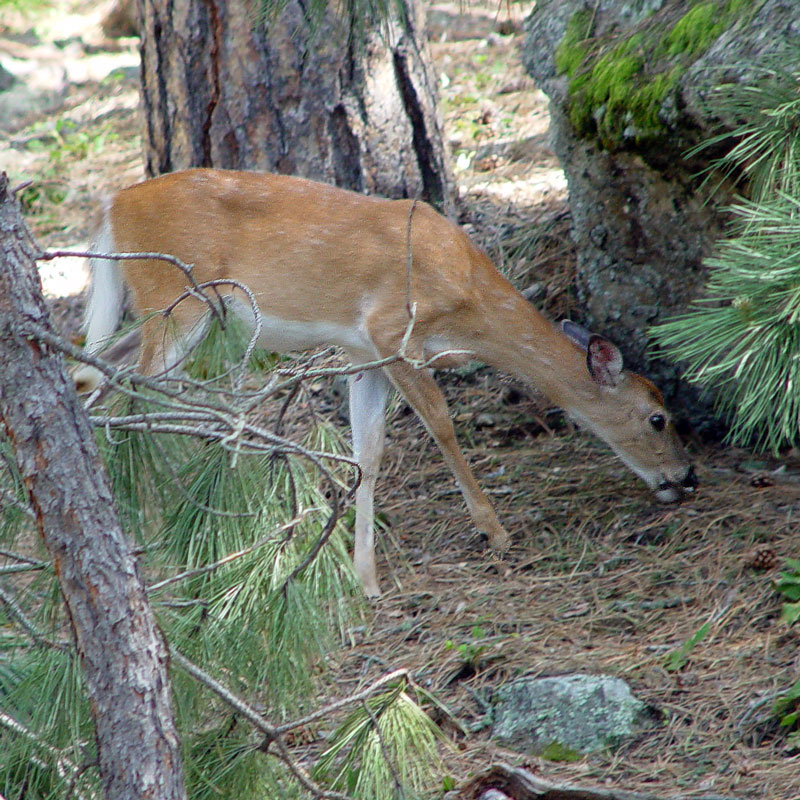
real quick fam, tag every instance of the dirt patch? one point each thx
(599, 579)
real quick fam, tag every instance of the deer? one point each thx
(328, 266)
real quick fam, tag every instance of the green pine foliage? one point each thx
(242, 545)
(12, 496)
(227, 347)
(142, 467)
(742, 340)
(223, 760)
(46, 745)
(254, 612)
(383, 750)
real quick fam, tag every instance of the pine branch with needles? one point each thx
(742, 339)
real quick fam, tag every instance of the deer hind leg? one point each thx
(368, 393)
(166, 341)
(427, 400)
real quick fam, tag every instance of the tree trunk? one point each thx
(121, 648)
(221, 88)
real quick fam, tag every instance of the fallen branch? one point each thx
(504, 782)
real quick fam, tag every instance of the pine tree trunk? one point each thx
(222, 89)
(121, 649)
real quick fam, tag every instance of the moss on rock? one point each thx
(571, 50)
(694, 32)
(619, 84)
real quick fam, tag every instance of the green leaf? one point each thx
(790, 613)
(678, 659)
(787, 707)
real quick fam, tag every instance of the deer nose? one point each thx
(689, 483)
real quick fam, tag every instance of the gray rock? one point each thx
(569, 715)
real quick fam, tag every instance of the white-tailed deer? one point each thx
(333, 267)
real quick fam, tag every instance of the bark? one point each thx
(122, 651)
(221, 88)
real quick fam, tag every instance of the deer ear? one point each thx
(604, 361)
(580, 336)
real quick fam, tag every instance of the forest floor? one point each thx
(599, 579)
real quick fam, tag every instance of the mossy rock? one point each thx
(631, 86)
(564, 717)
(622, 82)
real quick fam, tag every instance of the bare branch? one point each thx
(274, 733)
(63, 764)
(9, 499)
(258, 322)
(409, 256)
(345, 701)
(12, 569)
(20, 187)
(35, 564)
(186, 269)
(259, 722)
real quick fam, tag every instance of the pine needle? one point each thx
(385, 749)
(742, 339)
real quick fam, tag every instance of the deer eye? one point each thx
(658, 421)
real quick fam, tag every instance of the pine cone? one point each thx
(762, 558)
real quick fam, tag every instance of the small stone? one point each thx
(571, 714)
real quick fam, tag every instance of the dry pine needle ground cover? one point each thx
(599, 579)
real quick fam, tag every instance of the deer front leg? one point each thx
(368, 393)
(427, 400)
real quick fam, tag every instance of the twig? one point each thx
(345, 701)
(9, 498)
(77, 775)
(62, 763)
(330, 525)
(13, 569)
(258, 323)
(186, 269)
(20, 186)
(409, 255)
(22, 618)
(23, 559)
(259, 722)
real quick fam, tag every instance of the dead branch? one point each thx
(504, 782)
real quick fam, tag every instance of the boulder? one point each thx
(629, 83)
(564, 717)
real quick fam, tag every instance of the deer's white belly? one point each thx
(282, 335)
